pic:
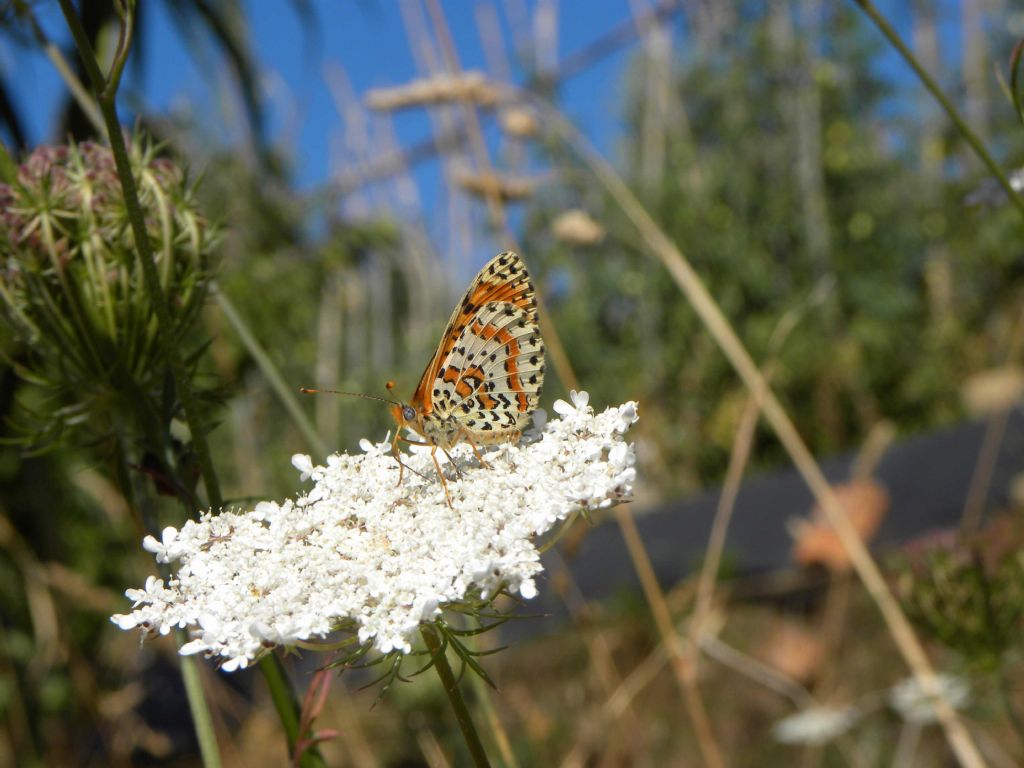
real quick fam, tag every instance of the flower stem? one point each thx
(105, 90)
(287, 708)
(933, 87)
(106, 96)
(281, 695)
(201, 719)
(451, 688)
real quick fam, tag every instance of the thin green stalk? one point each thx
(933, 87)
(451, 689)
(486, 706)
(8, 168)
(106, 93)
(281, 695)
(199, 708)
(285, 393)
(287, 708)
(105, 90)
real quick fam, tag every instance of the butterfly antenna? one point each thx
(311, 391)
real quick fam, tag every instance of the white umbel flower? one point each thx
(815, 726)
(359, 551)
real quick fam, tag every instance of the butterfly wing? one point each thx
(489, 368)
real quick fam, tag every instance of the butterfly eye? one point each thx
(408, 413)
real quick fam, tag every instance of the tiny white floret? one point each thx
(304, 464)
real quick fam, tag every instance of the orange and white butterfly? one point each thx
(484, 381)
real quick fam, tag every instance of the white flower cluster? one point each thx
(822, 724)
(914, 705)
(815, 726)
(362, 549)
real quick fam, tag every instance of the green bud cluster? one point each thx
(71, 284)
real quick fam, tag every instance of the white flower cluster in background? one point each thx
(819, 725)
(360, 548)
(914, 705)
(815, 726)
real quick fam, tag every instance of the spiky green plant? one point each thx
(71, 286)
(969, 595)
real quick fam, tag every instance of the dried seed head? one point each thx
(577, 227)
(520, 123)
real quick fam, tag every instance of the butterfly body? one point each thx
(484, 381)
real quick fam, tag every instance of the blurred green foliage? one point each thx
(898, 289)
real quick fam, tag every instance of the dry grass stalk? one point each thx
(466, 87)
(491, 185)
(684, 670)
(495, 204)
(598, 646)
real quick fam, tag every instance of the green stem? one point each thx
(198, 707)
(451, 688)
(933, 87)
(124, 44)
(285, 393)
(201, 718)
(281, 695)
(108, 107)
(287, 708)
(106, 93)
(8, 168)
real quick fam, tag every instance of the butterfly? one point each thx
(483, 383)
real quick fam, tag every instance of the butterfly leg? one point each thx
(397, 454)
(479, 457)
(440, 474)
(402, 466)
(458, 472)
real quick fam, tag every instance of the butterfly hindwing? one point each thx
(495, 373)
(489, 368)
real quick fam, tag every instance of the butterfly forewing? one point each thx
(489, 368)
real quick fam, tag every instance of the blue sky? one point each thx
(367, 40)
